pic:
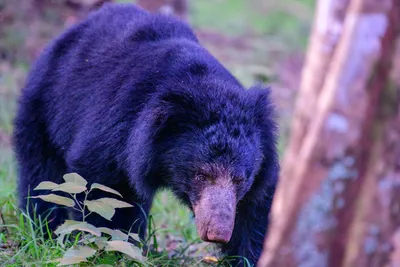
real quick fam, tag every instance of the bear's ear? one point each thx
(259, 93)
(160, 119)
(140, 153)
(262, 105)
(265, 182)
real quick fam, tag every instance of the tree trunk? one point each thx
(325, 209)
(175, 7)
(328, 26)
(327, 31)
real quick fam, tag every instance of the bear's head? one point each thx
(212, 170)
(212, 147)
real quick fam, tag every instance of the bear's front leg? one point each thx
(249, 232)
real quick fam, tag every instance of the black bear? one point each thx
(131, 100)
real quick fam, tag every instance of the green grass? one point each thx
(257, 35)
(286, 21)
(172, 235)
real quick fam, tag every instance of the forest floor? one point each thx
(261, 41)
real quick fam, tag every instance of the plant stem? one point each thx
(84, 206)
(77, 202)
(4, 223)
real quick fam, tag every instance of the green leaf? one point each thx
(106, 230)
(69, 261)
(135, 237)
(60, 240)
(75, 178)
(81, 251)
(70, 226)
(61, 228)
(101, 208)
(77, 254)
(46, 186)
(65, 225)
(119, 235)
(65, 201)
(104, 188)
(115, 203)
(124, 247)
(69, 187)
(104, 265)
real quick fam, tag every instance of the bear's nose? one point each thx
(219, 235)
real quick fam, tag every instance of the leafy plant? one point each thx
(90, 241)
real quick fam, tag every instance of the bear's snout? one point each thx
(219, 234)
(215, 214)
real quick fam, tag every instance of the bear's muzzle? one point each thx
(215, 213)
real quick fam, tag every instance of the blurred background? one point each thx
(334, 69)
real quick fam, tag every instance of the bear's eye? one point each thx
(201, 177)
(238, 180)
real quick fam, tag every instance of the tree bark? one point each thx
(328, 26)
(321, 208)
(327, 31)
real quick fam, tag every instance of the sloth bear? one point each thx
(131, 100)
